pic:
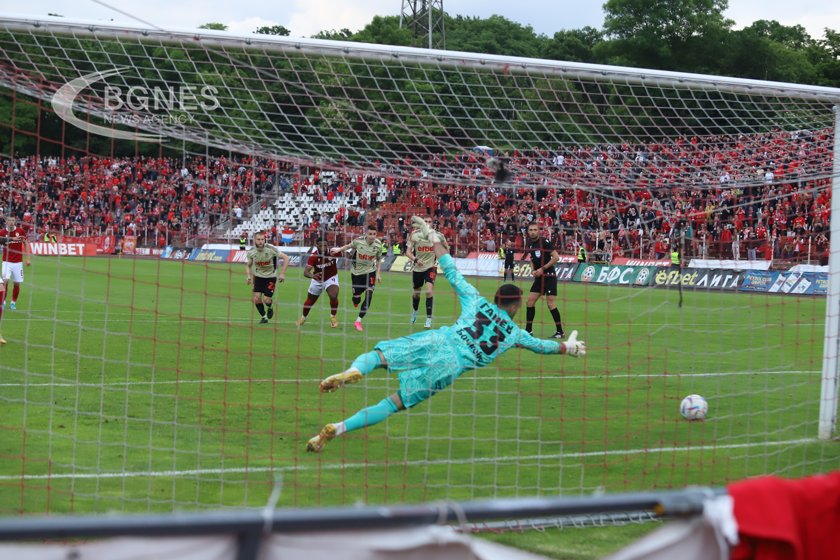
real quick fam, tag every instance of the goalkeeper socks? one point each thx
(368, 416)
(367, 362)
(415, 302)
(261, 309)
(333, 306)
(307, 305)
(429, 304)
(555, 314)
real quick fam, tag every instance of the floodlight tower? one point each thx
(425, 19)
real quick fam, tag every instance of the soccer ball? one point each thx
(694, 407)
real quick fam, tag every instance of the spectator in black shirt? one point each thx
(543, 259)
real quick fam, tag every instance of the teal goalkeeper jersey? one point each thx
(484, 332)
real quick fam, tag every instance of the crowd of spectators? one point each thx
(761, 196)
(157, 199)
(764, 195)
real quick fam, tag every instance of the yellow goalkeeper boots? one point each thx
(333, 382)
(316, 444)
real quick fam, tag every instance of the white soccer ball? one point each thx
(694, 407)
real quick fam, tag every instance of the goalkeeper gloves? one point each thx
(424, 230)
(574, 347)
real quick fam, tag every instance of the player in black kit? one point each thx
(508, 254)
(543, 259)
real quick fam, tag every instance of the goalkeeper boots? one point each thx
(316, 444)
(333, 382)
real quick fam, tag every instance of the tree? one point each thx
(493, 35)
(666, 34)
(214, 26)
(273, 30)
(333, 35)
(575, 45)
(767, 50)
(828, 66)
(385, 30)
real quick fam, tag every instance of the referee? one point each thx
(543, 259)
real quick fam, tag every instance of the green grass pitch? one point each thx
(144, 385)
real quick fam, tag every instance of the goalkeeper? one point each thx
(430, 361)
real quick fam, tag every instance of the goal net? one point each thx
(137, 375)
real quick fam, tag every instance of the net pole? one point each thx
(831, 346)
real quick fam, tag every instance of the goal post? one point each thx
(829, 393)
(149, 384)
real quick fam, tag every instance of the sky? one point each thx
(306, 17)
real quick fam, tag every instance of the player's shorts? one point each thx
(13, 271)
(316, 287)
(421, 277)
(545, 285)
(264, 286)
(425, 364)
(362, 282)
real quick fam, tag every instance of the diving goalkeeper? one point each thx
(428, 362)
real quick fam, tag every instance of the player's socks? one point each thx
(430, 303)
(260, 309)
(307, 305)
(415, 302)
(333, 306)
(368, 416)
(530, 313)
(15, 293)
(555, 314)
(357, 299)
(366, 304)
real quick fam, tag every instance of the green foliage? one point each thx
(214, 26)
(273, 30)
(663, 34)
(493, 35)
(385, 30)
(575, 45)
(333, 35)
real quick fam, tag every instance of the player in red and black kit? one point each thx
(14, 239)
(543, 259)
(13, 257)
(322, 269)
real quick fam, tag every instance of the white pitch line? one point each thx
(341, 466)
(512, 378)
